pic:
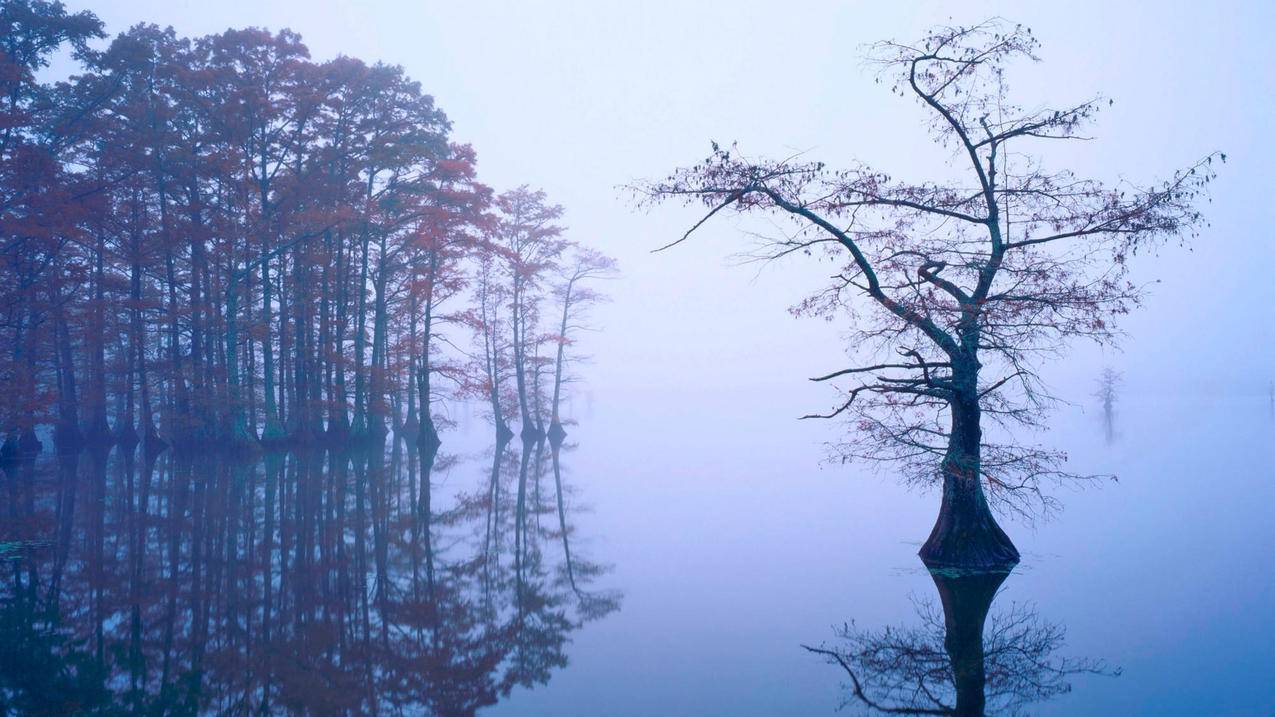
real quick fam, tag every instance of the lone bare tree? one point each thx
(1108, 393)
(971, 282)
(584, 265)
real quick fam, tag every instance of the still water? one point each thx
(650, 566)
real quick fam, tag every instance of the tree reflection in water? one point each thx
(320, 583)
(958, 660)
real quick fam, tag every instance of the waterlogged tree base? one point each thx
(968, 540)
(241, 444)
(272, 434)
(531, 433)
(426, 435)
(126, 435)
(965, 535)
(503, 433)
(557, 434)
(153, 445)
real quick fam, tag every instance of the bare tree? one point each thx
(955, 292)
(584, 265)
(1107, 394)
(531, 243)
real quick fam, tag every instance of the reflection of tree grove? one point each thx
(958, 661)
(324, 583)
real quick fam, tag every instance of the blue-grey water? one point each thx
(734, 546)
(706, 547)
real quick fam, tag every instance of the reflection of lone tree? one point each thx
(969, 282)
(960, 662)
(1107, 393)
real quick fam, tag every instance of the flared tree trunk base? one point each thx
(98, 433)
(426, 435)
(67, 438)
(126, 436)
(377, 429)
(153, 445)
(411, 428)
(272, 433)
(557, 434)
(503, 432)
(966, 535)
(338, 427)
(531, 433)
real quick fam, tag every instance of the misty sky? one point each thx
(581, 98)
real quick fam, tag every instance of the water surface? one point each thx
(670, 562)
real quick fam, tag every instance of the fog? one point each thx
(735, 535)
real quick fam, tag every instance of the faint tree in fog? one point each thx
(956, 290)
(488, 323)
(1107, 394)
(529, 239)
(583, 265)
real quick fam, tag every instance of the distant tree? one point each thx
(583, 265)
(488, 323)
(449, 231)
(956, 290)
(529, 240)
(1107, 394)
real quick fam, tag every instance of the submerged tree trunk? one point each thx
(98, 430)
(66, 436)
(966, 600)
(530, 428)
(377, 408)
(556, 432)
(966, 535)
(272, 429)
(238, 436)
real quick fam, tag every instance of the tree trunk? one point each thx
(377, 409)
(519, 321)
(338, 413)
(179, 425)
(556, 432)
(202, 403)
(272, 429)
(238, 437)
(359, 427)
(98, 430)
(67, 436)
(427, 432)
(966, 535)
(966, 600)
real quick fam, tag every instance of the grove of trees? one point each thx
(217, 241)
